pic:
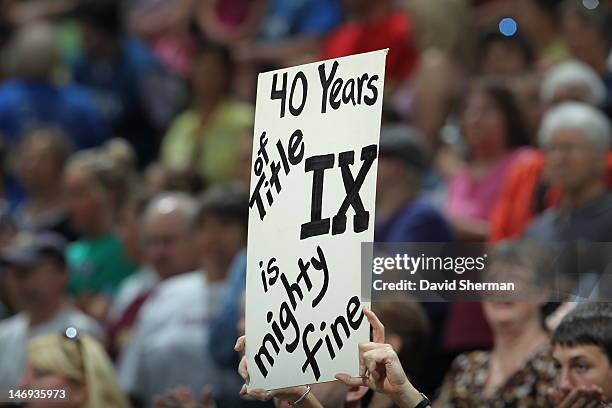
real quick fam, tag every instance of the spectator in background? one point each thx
(504, 56)
(165, 26)
(582, 349)
(576, 138)
(41, 158)
(290, 32)
(164, 230)
(572, 80)
(32, 100)
(74, 362)
(97, 261)
(540, 21)
(394, 30)
(519, 369)
(38, 270)
(496, 137)
(495, 134)
(114, 67)
(205, 139)
(170, 346)
(528, 191)
(588, 34)
(401, 215)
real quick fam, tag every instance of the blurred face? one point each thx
(583, 366)
(508, 313)
(503, 59)
(391, 174)
(168, 245)
(35, 379)
(572, 160)
(210, 76)
(502, 315)
(484, 126)
(219, 240)
(39, 284)
(37, 166)
(584, 42)
(84, 199)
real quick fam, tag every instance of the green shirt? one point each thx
(212, 151)
(97, 265)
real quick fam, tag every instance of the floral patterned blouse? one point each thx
(526, 388)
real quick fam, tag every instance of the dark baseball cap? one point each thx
(404, 143)
(27, 249)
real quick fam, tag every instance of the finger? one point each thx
(370, 345)
(243, 389)
(243, 370)
(351, 381)
(378, 330)
(240, 343)
(570, 399)
(593, 404)
(260, 394)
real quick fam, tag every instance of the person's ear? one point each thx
(354, 395)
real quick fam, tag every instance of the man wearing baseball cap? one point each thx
(38, 268)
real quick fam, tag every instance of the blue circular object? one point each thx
(507, 26)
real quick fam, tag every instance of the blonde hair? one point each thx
(83, 361)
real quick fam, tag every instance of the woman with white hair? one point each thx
(528, 190)
(75, 365)
(575, 138)
(572, 80)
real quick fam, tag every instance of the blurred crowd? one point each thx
(125, 149)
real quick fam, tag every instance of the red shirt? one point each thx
(393, 31)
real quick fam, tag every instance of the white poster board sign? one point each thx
(313, 185)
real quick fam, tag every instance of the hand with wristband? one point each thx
(380, 370)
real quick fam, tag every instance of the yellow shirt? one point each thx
(212, 151)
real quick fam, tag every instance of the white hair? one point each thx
(577, 116)
(172, 202)
(573, 73)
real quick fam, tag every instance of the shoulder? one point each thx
(85, 323)
(12, 325)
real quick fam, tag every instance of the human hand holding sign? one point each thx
(290, 394)
(381, 370)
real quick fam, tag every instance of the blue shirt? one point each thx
(116, 86)
(285, 19)
(25, 105)
(223, 329)
(417, 221)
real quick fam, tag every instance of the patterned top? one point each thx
(526, 388)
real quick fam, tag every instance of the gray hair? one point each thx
(573, 73)
(172, 202)
(577, 116)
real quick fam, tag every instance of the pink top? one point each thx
(474, 197)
